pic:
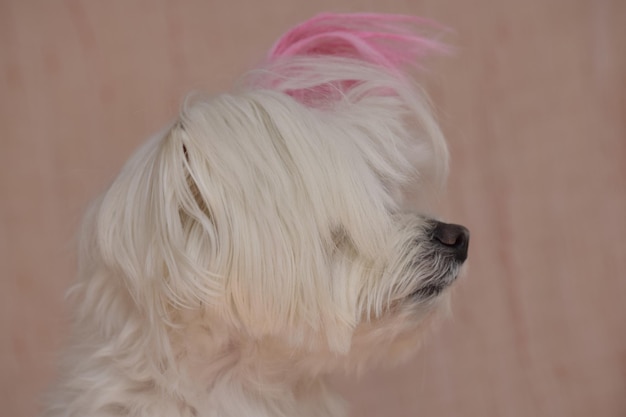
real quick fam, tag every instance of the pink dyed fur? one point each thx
(394, 43)
(386, 40)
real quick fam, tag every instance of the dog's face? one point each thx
(281, 222)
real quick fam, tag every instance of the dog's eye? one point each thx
(341, 238)
(339, 235)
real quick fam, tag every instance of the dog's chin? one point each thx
(397, 336)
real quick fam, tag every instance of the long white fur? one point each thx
(251, 248)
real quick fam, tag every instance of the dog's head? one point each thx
(279, 212)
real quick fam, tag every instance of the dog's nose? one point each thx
(453, 236)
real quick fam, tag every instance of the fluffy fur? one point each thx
(262, 240)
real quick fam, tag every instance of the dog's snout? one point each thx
(453, 236)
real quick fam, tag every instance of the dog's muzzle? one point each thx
(452, 238)
(450, 243)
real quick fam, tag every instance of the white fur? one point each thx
(255, 246)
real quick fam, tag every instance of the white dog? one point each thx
(263, 240)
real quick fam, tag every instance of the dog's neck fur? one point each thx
(232, 379)
(208, 374)
(237, 395)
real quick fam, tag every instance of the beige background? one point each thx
(533, 103)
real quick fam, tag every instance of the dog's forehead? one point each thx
(274, 141)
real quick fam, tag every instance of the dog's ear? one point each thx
(153, 231)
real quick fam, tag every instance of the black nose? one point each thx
(453, 236)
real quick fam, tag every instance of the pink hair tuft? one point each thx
(387, 40)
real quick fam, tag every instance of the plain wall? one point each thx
(533, 103)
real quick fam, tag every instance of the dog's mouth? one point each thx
(428, 291)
